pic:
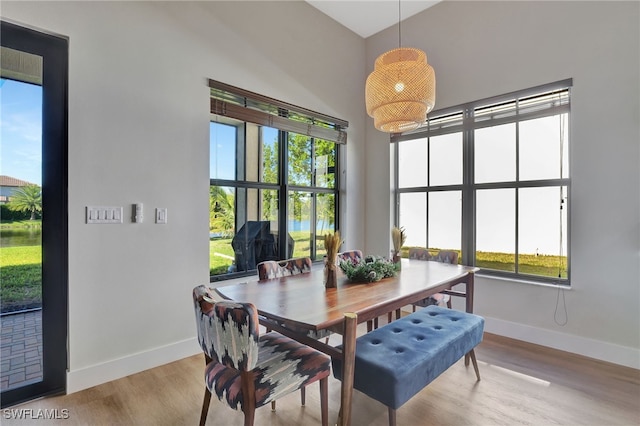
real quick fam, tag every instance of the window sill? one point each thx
(524, 281)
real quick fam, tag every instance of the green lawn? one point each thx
(20, 267)
(544, 265)
(21, 224)
(20, 278)
(219, 248)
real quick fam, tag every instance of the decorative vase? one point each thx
(330, 274)
(396, 259)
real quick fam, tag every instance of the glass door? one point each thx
(33, 224)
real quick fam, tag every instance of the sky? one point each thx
(21, 131)
(539, 212)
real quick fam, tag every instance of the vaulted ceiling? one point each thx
(367, 17)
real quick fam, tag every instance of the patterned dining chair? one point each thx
(271, 269)
(247, 370)
(352, 255)
(447, 256)
(443, 256)
(420, 253)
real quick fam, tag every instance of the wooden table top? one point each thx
(303, 301)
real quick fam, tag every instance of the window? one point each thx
(490, 179)
(273, 181)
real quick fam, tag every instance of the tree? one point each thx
(27, 199)
(221, 211)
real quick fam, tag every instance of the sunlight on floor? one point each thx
(518, 375)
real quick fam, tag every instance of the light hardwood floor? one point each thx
(522, 384)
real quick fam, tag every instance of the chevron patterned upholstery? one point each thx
(275, 365)
(271, 269)
(443, 256)
(353, 255)
(420, 253)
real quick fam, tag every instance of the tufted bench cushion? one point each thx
(396, 361)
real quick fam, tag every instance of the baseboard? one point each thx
(84, 378)
(604, 351)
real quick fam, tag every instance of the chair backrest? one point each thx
(352, 255)
(447, 256)
(420, 253)
(271, 269)
(268, 269)
(227, 331)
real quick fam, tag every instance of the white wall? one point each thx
(483, 49)
(138, 133)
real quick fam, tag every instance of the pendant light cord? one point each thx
(399, 23)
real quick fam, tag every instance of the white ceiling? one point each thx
(367, 17)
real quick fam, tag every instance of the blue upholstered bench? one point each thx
(398, 360)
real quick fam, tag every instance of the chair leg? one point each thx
(273, 406)
(248, 397)
(449, 303)
(369, 326)
(324, 400)
(414, 308)
(389, 317)
(392, 417)
(249, 416)
(205, 406)
(398, 313)
(472, 354)
(375, 323)
(303, 395)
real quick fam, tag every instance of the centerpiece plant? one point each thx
(369, 269)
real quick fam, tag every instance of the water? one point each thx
(20, 237)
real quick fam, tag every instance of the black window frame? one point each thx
(237, 107)
(463, 119)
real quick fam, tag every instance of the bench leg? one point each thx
(392, 417)
(472, 354)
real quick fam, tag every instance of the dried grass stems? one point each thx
(398, 237)
(332, 243)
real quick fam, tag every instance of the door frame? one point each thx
(55, 244)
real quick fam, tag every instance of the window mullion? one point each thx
(517, 189)
(283, 201)
(468, 248)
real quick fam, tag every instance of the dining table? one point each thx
(297, 304)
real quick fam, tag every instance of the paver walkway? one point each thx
(21, 356)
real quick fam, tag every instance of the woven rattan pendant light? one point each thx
(401, 90)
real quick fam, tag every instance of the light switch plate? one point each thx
(104, 214)
(161, 215)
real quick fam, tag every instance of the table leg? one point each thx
(469, 305)
(348, 367)
(470, 290)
